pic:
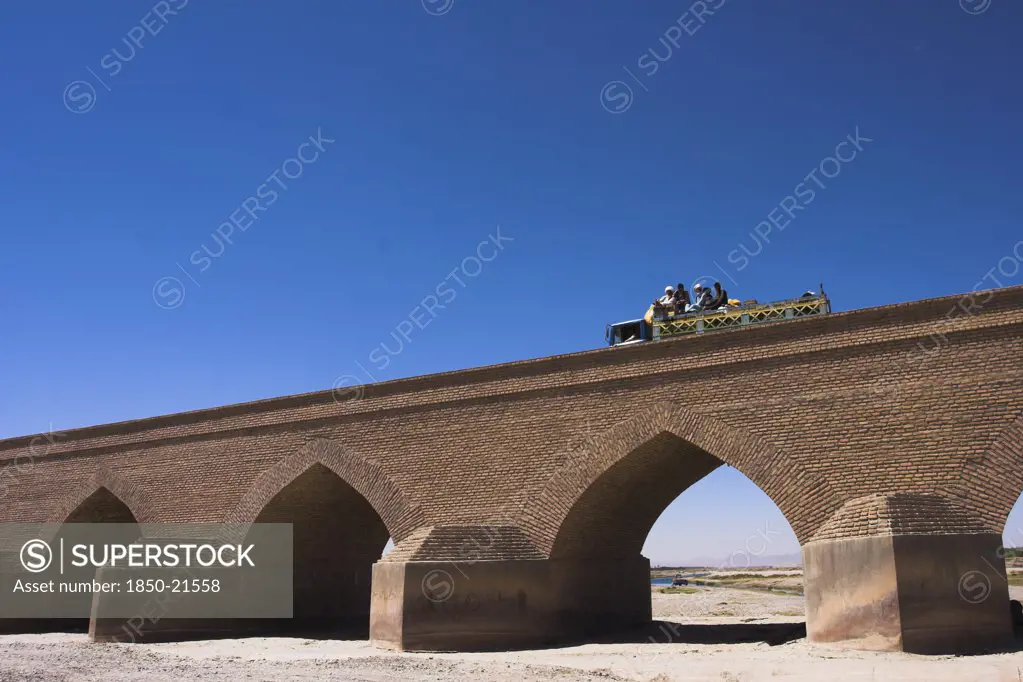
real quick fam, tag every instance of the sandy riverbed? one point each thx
(715, 634)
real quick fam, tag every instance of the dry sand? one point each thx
(694, 640)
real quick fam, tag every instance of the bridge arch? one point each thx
(106, 497)
(619, 483)
(342, 508)
(993, 483)
(365, 476)
(103, 491)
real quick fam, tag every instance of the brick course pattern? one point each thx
(898, 419)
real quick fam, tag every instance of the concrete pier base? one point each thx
(435, 606)
(925, 594)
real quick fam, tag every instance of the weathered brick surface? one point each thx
(899, 514)
(821, 413)
(88, 497)
(365, 476)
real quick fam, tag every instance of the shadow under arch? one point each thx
(343, 508)
(604, 498)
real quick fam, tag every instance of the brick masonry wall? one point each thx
(817, 412)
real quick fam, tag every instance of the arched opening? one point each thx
(104, 507)
(612, 518)
(338, 535)
(742, 577)
(1012, 551)
(1012, 533)
(723, 521)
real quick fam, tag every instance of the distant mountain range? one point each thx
(736, 562)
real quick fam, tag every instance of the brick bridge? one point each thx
(519, 496)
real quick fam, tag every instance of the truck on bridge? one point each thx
(664, 323)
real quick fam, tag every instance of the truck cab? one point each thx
(629, 332)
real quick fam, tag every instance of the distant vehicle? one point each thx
(667, 324)
(679, 581)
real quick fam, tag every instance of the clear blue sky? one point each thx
(446, 121)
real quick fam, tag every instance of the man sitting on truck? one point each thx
(720, 298)
(682, 300)
(703, 298)
(666, 301)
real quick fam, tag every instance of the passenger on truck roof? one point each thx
(720, 298)
(682, 299)
(702, 298)
(668, 299)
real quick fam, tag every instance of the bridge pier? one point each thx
(924, 594)
(480, 605)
